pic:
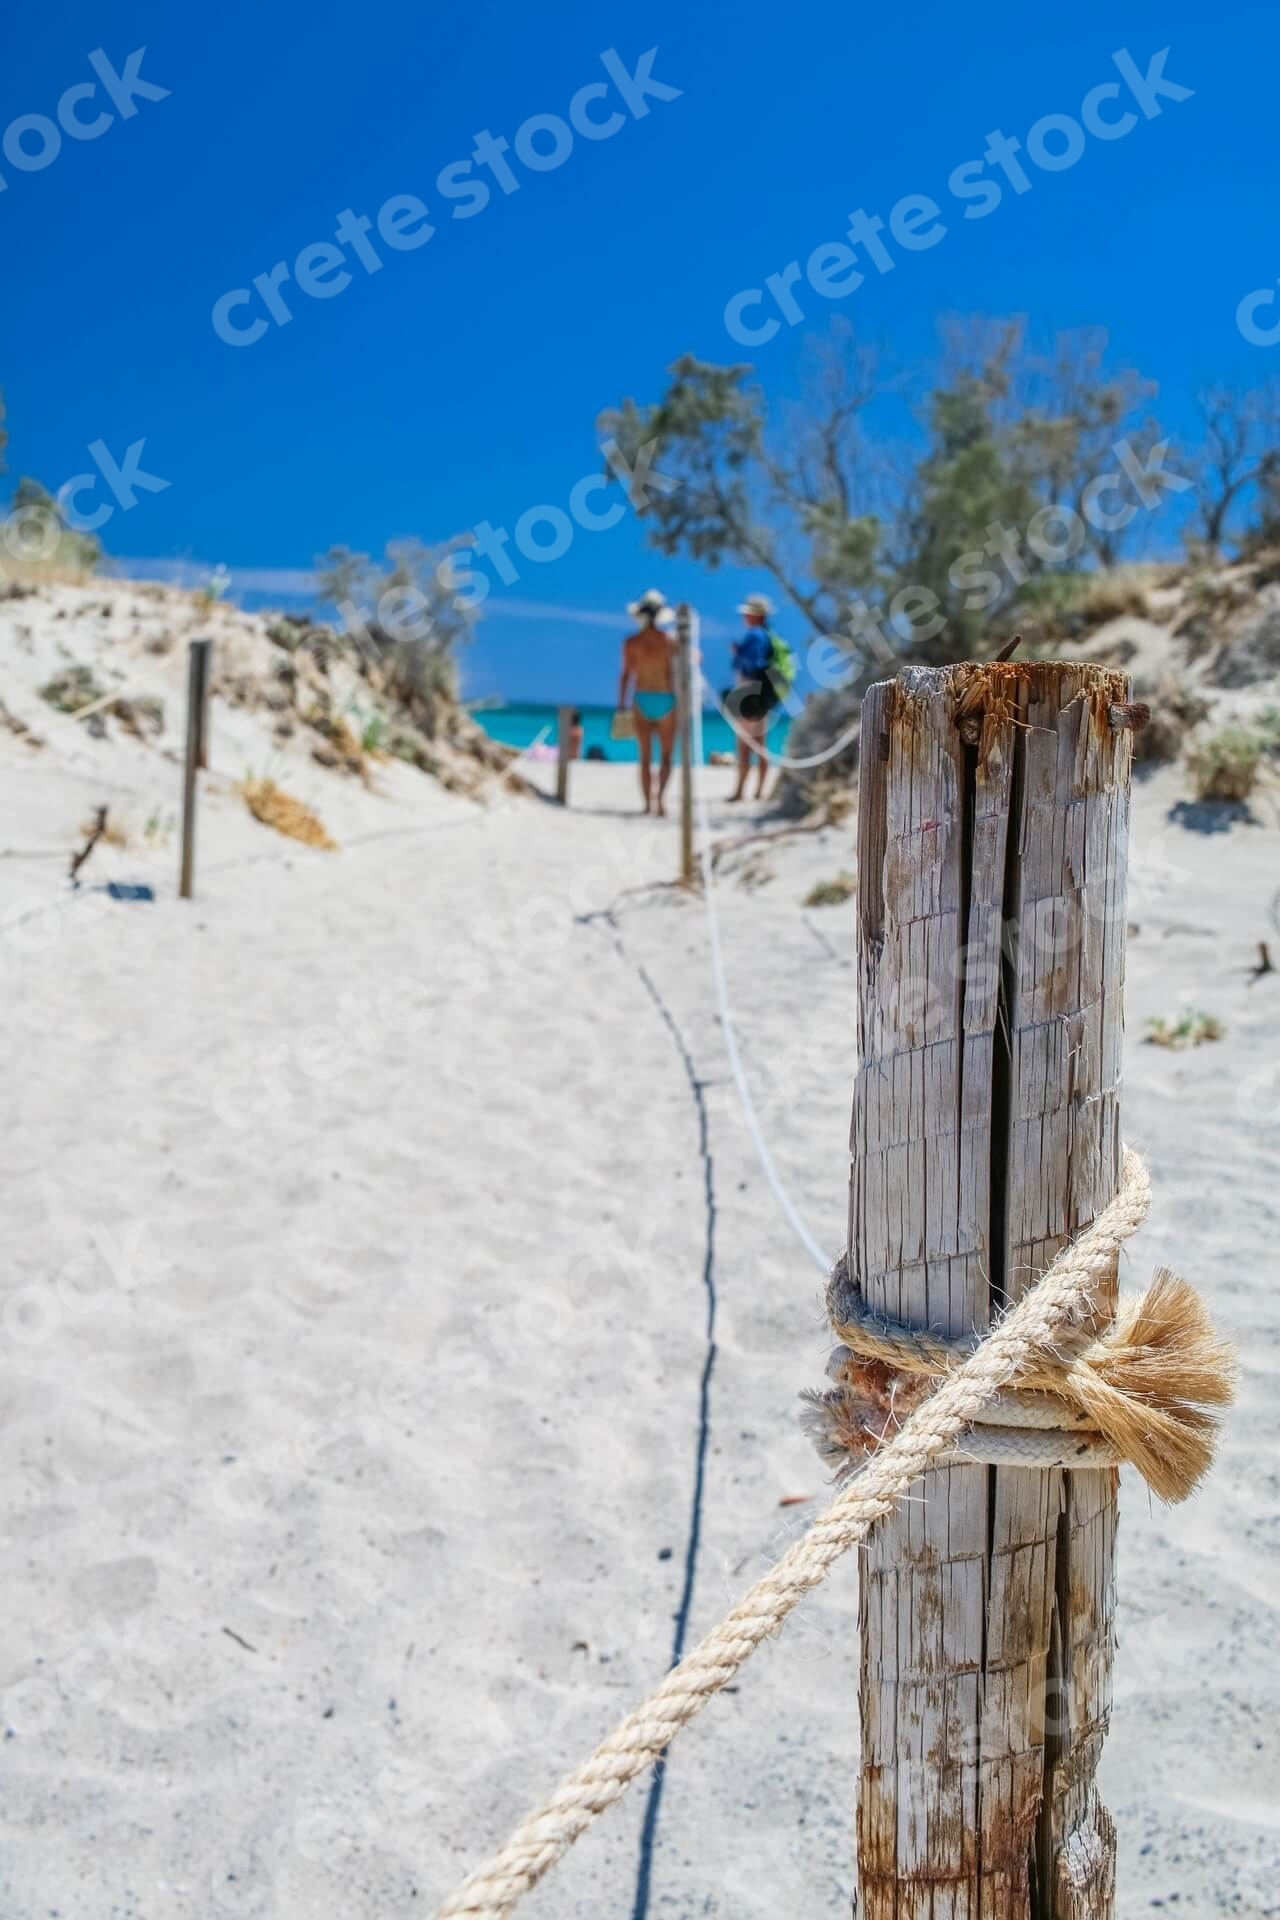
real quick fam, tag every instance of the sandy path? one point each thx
(407, 1396)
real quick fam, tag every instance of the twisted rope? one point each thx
(1137, 1390)
(1062, 1306)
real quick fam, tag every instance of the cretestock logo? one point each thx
(1054, 143)
(122, 89)
(124, 481)
(543, 142)
(1247, 318)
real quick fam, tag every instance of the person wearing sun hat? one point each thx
(755, 695)
(648, 686)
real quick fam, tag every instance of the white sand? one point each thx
(406, 1393)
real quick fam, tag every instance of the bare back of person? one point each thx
(648, 683)
(647, 654)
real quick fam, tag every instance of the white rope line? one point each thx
(779, 759)
(821, 1260)
(535, 742)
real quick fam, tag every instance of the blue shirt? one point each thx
(751, 655)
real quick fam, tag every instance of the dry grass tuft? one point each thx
(276, 808)
(1175, 710)
(1113, 592)
(831, 893)
(72, 689)
(116, 832)
(1225, 766)
(1190, 1029)
(55, 572)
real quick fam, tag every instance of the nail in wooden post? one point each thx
(992, 842)
(687, 692)
(564, 726)
(197, 684)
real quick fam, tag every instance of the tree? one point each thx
(844, 519)
(974, 478)
(70, 547)
(1241, 450)
(340, 575)
(839, 517)
(1069, 410)
(403, 619)
(794, 503)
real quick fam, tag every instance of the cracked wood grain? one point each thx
(992, 848)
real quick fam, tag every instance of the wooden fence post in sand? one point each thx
(564, 727)
(202, 755)
(688, 690)
(992, 841)
(197, 731)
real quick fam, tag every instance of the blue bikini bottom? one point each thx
(654, 706)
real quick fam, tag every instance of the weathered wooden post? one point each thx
(202, 757)
(564, 726)
(986, 1131)
(687, 691)
(197, 691)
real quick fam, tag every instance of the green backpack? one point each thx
(783, 665)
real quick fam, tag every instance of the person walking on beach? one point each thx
(756, 693)
(648, 677)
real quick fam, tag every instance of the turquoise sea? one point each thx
(520, 725)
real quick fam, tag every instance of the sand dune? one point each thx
(356, 1325)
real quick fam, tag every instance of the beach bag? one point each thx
(623, 725)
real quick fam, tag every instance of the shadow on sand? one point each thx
(1213, 816)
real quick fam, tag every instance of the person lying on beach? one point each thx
(648, 676)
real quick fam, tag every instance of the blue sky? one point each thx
(460, 382)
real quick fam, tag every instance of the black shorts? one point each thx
(754, 699)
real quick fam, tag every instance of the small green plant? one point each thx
(371, 733)
(1267, 725)
(830, 893)
(157, 828)
(413, 749)
(71, 690)
(1225, 766)
(209, 595)
(1190, 1029)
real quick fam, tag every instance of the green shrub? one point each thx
(830, 893)
(71, 690)
(1175, 710)
(1225, 766)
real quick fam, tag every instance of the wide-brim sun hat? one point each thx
(653, 601)
(757, 603)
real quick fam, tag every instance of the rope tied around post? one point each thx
(1135, 1390)
(1059, 1313)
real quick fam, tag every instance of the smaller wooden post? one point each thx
(197, 689)
(564, 727)
(686, 692)
(202, 758)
